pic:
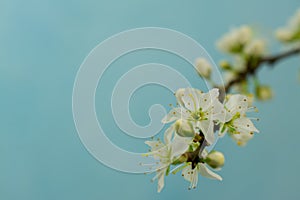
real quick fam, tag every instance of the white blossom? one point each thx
(201, 109)
(235, 40)
(291, 32)
(166, 153)
(256, 47)
(238, 126)
(191, 175)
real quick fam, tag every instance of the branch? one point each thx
(252, 68)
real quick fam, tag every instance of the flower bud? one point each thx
(264, 92)
(203, 67)
(225, 65)
(184, 128)
(215, 159)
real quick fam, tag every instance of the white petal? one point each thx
(190, 99)
(179, 145)
(161, 180)
(237, 103)
(207, 127)
(242, 138)
(188, 173)
(174, 114)
(204, 171)
(244, 125)
(168, 134)
(206, 100)
(155, 145)
(219, 113)
(179, 94)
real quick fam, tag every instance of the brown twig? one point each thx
(251, 68)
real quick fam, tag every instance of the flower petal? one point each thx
(237, 103)
(168, 134)
(207, 128)
(191, 99)
(244, 125)
(174, 114)
(206, 100)
(242, 138)
(204, 171)
(180, 145)
(161, 180)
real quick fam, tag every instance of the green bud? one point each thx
(225, 65)
(263, 92)
(184, 128)
(215, 159)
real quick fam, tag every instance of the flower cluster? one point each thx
(247, 52)
(290, 33)
(244, 47)
(240, 41)
(196, 122)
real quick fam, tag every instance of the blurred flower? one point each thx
(203, 67)
(291, 32)
(256, 48)
(235, 40)
(225, 65)
(263, 92)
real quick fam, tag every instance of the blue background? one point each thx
(43, 43)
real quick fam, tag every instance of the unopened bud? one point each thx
(264, 92)
(203, 67)
(184, 128)
(225, 65)
(215, 159)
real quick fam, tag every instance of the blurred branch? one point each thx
(251, 68)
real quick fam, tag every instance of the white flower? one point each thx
(203, 67)
(284, 34)
(191, 175)
(291, 32)
(166, 153)
(294, 22)
(255, 47)
(239, 127)
(235, 40)
(201, 109)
